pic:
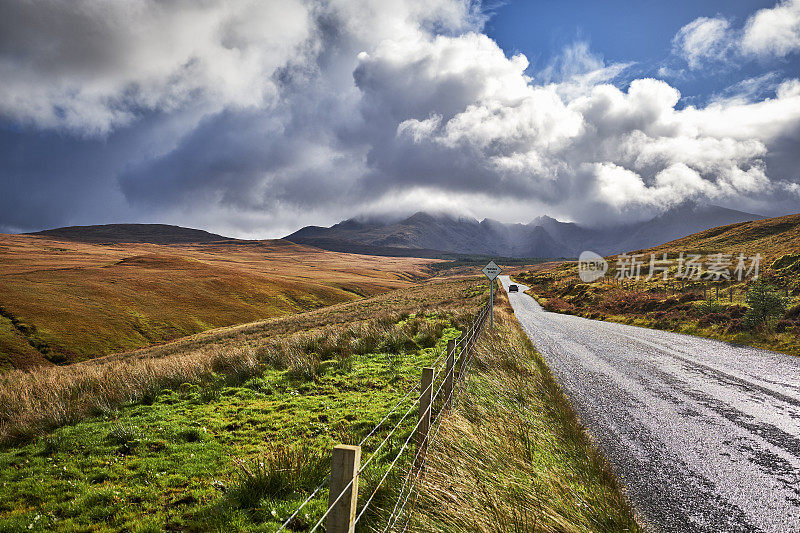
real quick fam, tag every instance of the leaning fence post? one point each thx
(344, 469)
(449, 373)
(425, 401)
(462, 349)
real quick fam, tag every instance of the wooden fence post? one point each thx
(450, 371)
(425, 400)
(344, 469)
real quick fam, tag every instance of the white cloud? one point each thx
(576, 70)
(704, 40)
(768, 33)
(92, 66)
(268, 115)
(774, 31)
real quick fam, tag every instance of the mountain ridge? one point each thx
(543, 237)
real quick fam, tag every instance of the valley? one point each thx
(63, 301)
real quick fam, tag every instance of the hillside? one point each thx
(771, 237)
(131, 233)
(66, 301)
(706, 306)
(233, 431)
(429, 235)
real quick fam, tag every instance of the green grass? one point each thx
(513, 457)
(173, 464)
(240, 449)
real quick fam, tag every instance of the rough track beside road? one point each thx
(705, 435)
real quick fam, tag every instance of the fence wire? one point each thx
(466, 343)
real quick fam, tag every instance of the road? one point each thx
(705, 435)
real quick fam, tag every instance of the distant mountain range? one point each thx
(430, 235)
(441, 235)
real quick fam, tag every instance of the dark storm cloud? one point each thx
(254, 118)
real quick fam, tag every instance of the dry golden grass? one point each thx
(771, 237)
(65, 301)
(512, 456)
(705, 307)
(36, 401)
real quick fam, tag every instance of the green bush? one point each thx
(280, 472)
(52, 444)
(127, 436)
(765, 303)
(709, 307)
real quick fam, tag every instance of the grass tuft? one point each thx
(281, 471)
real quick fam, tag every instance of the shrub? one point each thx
(788, 260)
(557, 305)
(793, 312)
(280, 472)
(690, 296)
(764, 302)
(126, 435)
(737, 311)
(711, 307)
(712, 318)
(784, 325)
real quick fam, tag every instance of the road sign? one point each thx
(491, 270)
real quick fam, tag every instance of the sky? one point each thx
(253, 118)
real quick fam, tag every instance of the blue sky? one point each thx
(622, 31)
(253, 119)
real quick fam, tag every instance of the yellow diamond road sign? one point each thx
(491, 270)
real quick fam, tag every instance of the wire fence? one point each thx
(449, 371)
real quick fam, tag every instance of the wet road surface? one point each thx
(705, 435)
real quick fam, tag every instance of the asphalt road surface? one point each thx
(705, 435)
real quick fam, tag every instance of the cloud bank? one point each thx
(768, 33)
(255, 117)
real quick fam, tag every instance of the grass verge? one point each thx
(513, 456)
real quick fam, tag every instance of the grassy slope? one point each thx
(73, 301)
(514, 457)
(681, 307)
(772, 237)
(169, 462)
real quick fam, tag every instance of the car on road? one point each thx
(513, 288)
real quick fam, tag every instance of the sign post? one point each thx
(491, 271)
